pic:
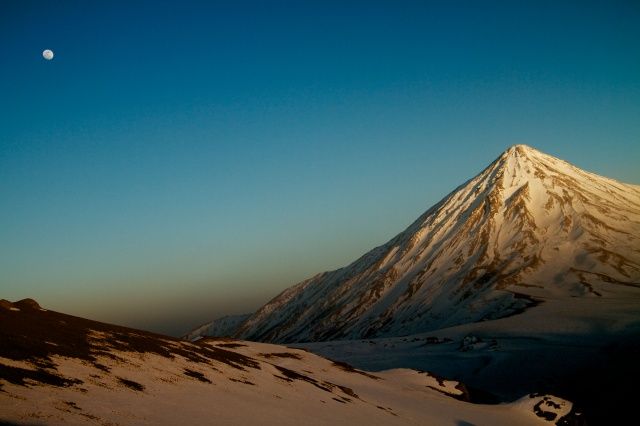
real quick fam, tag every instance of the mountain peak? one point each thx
(522, 153)
(520, 148)
(522, 165)
(529, 226)
(517, 159)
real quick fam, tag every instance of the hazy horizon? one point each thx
(160, 175)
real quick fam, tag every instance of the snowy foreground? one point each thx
(59, 369)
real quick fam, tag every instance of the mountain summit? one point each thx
(529, 227)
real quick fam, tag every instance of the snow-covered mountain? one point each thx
(56, 369)
(528, 228)
(221, 327)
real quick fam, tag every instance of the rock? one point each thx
(27, 304)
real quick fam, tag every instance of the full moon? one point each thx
(47, 54)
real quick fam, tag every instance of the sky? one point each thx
(180, 160)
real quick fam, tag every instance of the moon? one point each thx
(47, 54)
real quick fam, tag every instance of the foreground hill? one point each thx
(56, 369)
(528, 228)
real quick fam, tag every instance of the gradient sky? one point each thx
(178, 161)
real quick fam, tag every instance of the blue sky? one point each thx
(177, 161)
